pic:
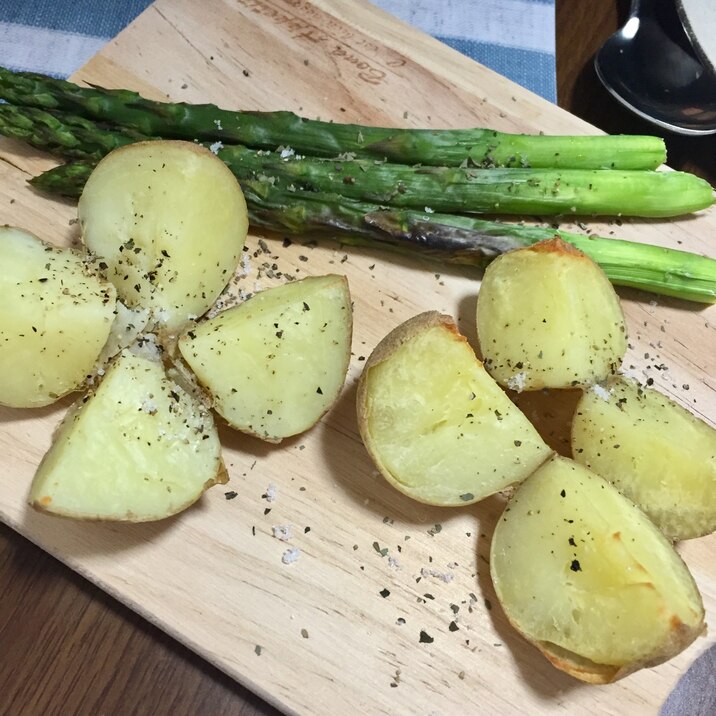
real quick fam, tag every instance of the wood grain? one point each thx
(75, 650)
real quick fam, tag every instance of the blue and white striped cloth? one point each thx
(512, 37)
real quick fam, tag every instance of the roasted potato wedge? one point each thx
(136, 449)
(275, 364)
(435, 423)
(548, 317)
(168, 220)
(584, 575)
(653, 451)
(56, 317)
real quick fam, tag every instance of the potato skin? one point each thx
(593, 673)
(653, 451)
(444, 421)
(158, 453)
(548, 317)
(169, 220)
(623, 568)
(397, 337)
(57, 315)
(273, 365)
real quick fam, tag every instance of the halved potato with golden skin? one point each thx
(136, 449)
(436, 424)
(168, 220)
(56, 317)
(653, 451)
(584, 575)
(275, 364)
(548, 317)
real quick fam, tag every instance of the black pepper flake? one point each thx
(575, 566)
(518, 443)
(304, 633)
(381, 551)
(258, 649)
(267, 510)
(425, 638)
(572, 542)
(453, 626)
(563, 494)
(230, 494)
(306, 307)
(319, 391)
(488, 604)
(384, 593)
(286, 242)
(467, 496)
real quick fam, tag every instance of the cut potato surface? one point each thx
(169, 221)
(137, 449)
(548, 317)
(654, 451)
(583, 574)
(275, 364)
(436, 424)
(56, 316)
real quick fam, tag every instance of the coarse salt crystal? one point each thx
(442, 576)
(601, 392)
(291, 555)
(517, 382)
(216, 146)
(283, 532)
(271, 493)
(149, 406)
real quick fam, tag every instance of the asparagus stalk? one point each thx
(67, 136)
(269, 130)
(542, 192)
(446, 189)
(448, 238)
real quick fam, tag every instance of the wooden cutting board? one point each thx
(339, 630)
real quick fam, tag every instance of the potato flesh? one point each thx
(577, 565)
(55, 320)
(440, 428)
(274, 364)
(547, 317)
(137, 449)
(170, 221)
(653, 451)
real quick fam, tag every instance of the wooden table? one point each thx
(67, 647)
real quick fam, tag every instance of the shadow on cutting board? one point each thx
(70, 539)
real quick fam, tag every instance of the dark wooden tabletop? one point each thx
(66, 647)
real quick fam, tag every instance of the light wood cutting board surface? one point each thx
(317, 636)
